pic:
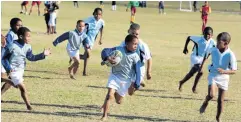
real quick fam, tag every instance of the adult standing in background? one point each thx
(195, 6)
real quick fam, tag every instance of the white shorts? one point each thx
(120, 86)
(221, 80)
(196, 60)
(17, 77)
(52, 19)
(72, 53)
(3, 69)
(143, 71)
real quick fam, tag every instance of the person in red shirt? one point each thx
(205, 11)
(33, 4)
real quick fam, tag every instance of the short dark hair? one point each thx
(79, 21)
(134, 26)
(96, 10)
(14, 21)
(224, 36)
(22, 31)
(206, 29)
(129, 38)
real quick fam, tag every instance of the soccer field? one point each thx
(57, 98)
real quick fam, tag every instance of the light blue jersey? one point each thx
(10, 37)
(126, 67)
(93, 28)
(17, 54)
(225, 60)
(201, 46)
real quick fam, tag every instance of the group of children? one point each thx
(15, 49)
(128, 75)
(222, 65)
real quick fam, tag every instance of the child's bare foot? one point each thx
(218, 119)
(180, 86)
(72, 77)
(143, 84)
(29, 107)
(203, 107)
(194, 90)
(103, 119)
(85, 74)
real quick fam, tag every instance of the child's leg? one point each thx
(131, 89)
(26, 10)
(31, 10)
(188, 76)
(24, 95)
(118, 98)
(109, 97)
(7, 81)
(73, 67)
(38, 10)
(211, 93)
(86, 59)
(55, 21)
(221, 94)
(204, 24)
(5, 87)
(198, 76)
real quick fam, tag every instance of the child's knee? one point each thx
(210, 96)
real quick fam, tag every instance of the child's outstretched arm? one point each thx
(149, 65)
(31, 57)
(185, 50)
(138, 75)
(61, 38)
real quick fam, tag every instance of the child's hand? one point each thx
(47, 52)
(185, 51)
(111, 60)
(221, 71)
(148, 75)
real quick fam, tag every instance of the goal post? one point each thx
(185, 6)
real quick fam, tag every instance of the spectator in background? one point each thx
(76, 4)
(195, 6)
(113, 5)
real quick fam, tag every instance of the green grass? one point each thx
(57, 98)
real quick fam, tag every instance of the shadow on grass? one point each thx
(142, 90)
(90, 114)
(184, 98)
(45, 71)
(83, 107)
(43, 77)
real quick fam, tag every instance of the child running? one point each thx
(120, 78)
(202, 44)
(144, 53)
(223, 64)
(95, 25)
(14, 58)
(75, 38)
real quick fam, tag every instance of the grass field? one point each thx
(57, 98)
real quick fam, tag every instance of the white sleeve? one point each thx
(233, 62)
(195, 38)
(147, 52)
(103, 23)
